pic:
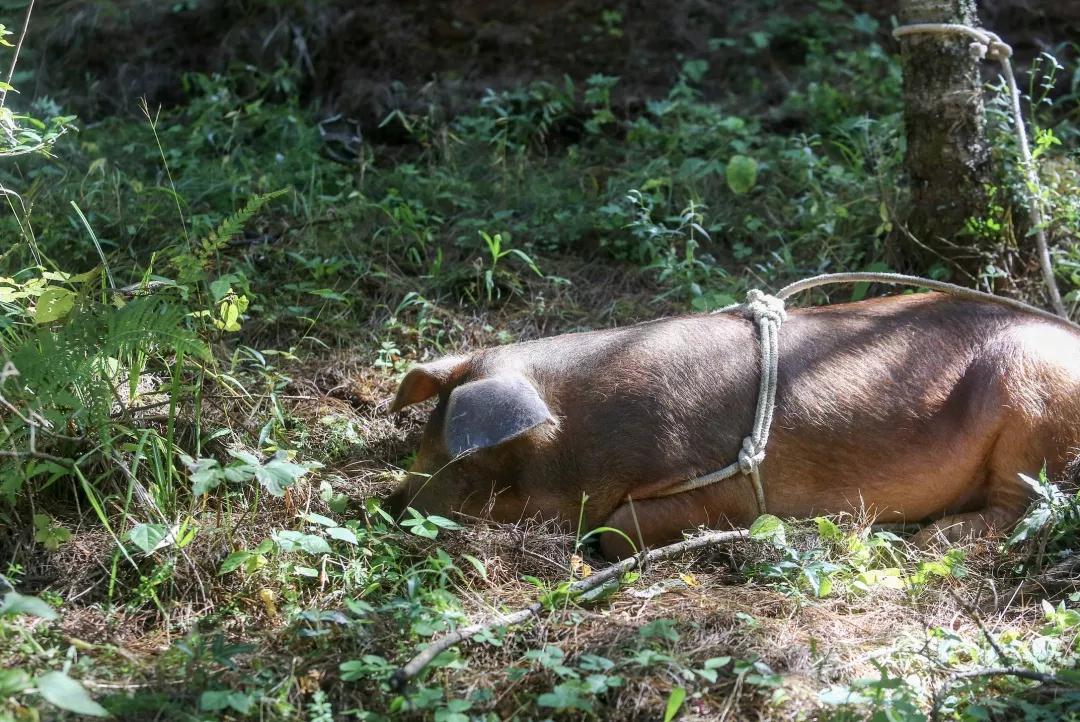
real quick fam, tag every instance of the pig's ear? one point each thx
(425, 380)
(485, 413)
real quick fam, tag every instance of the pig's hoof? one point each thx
(930, 538)
(940, 536)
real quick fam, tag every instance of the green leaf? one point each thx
(342, 534)
(320, 519)
(565, 696)
(674, 703)
(214, 700)
(206, 474)
(234, 561)
(278, 474)
(149, 537)
(476, 564)
(443, 523)
(53, 304)
(660, 629)
(827, 529)
(13, 681)
(768, 528)
(15, 603)
(68, 694)
(245, 456)
(741, 174)
(49, 534)
(291, 541)
(314, 544)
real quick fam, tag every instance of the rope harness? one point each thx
(767, 312)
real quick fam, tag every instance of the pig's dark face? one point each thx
(481, 434)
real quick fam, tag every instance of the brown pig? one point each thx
(911, 407)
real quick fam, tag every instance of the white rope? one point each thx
(988, 45)
(767, 313)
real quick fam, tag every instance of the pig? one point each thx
(913, 407)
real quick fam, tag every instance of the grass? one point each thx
(193, 462)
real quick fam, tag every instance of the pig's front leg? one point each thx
(662, 520)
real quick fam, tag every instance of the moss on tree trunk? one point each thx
(948, 157)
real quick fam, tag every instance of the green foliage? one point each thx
(1053, 519)
(829, 561)
(234, 250)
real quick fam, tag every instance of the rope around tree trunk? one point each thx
(987, 45)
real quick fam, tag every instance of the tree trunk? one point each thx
(948, 157)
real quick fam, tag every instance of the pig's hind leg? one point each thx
(1025, 445)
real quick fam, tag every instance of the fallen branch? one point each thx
(421, 660)
(1019, 672)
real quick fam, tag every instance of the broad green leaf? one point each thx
(827, 529)
(13, 681)
(320, 519)
(768, 528)
(659, 629)
(741, 174)
(68, 694)
(819, 581)
(48, 533)
(15, 603)
(342, 534)
(149, 537)
(53, 304)
(477, 564)
(93, 274)
(214, 700)
(234, 561)
(424, 529)
(443, 523)
(206, 474)
(278, 474)
(314, 544)
(674, 703)
(245, 456)
(291, 541)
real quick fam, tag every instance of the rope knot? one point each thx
(750, 456)
(763, 306)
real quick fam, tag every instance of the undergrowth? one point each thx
(203, 309)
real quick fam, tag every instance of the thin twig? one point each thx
(421, 660)
(982, 627)
(36, 455)
(18, 49)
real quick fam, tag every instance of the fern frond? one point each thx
(69, 373)
(233, 224)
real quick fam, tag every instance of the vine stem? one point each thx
(18, 49)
